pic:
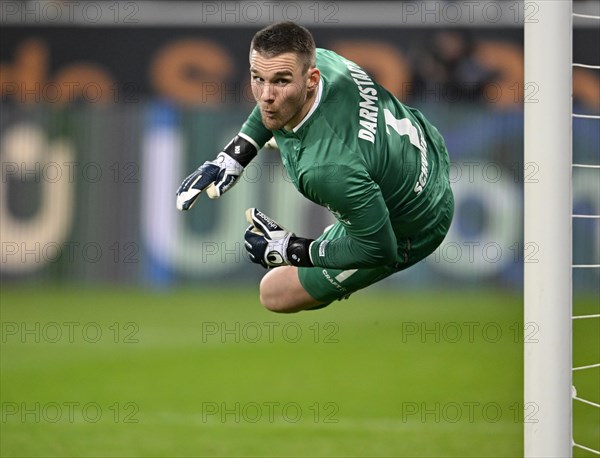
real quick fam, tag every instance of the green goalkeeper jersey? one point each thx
(378, 165)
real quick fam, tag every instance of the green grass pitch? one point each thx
(128, 373)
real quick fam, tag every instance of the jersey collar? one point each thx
(313, 108)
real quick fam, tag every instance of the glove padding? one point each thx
(266, 241)
(215, 177)
(269, 244)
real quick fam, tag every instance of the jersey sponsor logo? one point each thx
(368, 109)
(332, 281)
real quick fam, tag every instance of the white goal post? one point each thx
(547, 229)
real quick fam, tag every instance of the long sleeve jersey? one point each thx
(378, 165)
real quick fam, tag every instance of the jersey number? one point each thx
(415, 135)
(405, 127)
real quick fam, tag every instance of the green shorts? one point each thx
(327, 285)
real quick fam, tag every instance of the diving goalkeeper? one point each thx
(391, 194)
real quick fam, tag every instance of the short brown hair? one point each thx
(285, 37)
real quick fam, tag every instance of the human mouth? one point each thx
(269, 113)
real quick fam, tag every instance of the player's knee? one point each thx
(274, 300)
(267, 299)
(275, 304)
(281, 291)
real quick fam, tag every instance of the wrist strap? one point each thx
(241, 150)
(298, 253)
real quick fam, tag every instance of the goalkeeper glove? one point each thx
(271, 245)
(218, 176)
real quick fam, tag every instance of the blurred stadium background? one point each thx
(130, 329)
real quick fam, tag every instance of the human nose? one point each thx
(267, 93)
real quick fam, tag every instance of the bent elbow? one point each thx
(380, 255)
(386, 255)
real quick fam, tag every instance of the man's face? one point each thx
(280, 88)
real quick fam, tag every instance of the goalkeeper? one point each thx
(390, 195)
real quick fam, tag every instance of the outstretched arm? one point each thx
(219, 175)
